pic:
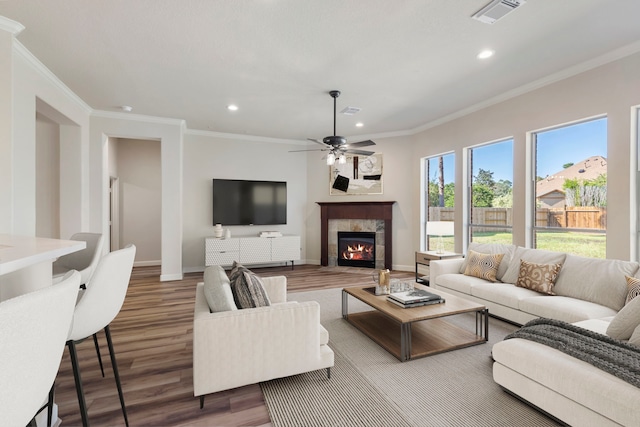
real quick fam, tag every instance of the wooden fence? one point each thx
(569, 217)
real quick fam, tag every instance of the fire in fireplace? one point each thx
(357, 249)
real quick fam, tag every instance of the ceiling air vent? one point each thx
(350, 111)
(496, 10)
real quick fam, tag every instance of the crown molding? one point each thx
(614, 55)
(10, 26)
(116, 115)
(49, 76)
(242, 137)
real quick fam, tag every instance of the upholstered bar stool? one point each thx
(98, 305)
(33, 330)
(84, 261)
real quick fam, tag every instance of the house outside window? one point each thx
(570, 209)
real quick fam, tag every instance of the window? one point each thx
(491, 192)
(439, 200)
(570, 209)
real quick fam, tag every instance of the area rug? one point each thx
(455, 388)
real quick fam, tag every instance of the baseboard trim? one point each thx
(170, 277)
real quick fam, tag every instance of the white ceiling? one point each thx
(405, 63)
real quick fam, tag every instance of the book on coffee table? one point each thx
(415, 304)
(414, 296)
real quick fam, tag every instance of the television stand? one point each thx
(252, 250)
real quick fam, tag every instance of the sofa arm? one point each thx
(240, 347)
(276, 288)
(444, 266)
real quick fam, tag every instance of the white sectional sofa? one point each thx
(586, 288)
(589, 293)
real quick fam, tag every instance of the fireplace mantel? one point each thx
(356, 210)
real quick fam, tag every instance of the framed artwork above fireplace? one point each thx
(359, 175)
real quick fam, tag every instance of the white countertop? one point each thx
(17, 252)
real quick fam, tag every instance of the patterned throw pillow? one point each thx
(484, 266)
(538, 277)
(633, 285)
(247, 288)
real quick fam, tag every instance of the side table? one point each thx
(424, 258)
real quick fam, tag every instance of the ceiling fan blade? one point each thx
(361, 143)
(313, 149)
(317, 141)
(360, 152)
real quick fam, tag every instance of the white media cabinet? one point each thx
(251, 250)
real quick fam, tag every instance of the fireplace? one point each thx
(357, 249)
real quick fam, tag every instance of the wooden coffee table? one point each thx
(410, 333)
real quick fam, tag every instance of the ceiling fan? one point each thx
(336, 145)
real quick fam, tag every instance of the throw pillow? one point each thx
(247, 288)
(217, 290)
(491, 248)
(633, 285)
(538, 277)
(484, 266)
(626, 321)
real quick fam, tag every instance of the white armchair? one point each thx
(247, 346)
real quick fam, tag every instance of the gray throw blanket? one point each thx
(613, 356)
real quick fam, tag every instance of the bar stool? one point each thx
(99, 304)
(33, 331)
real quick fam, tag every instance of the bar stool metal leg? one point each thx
(76, 376)
(95, 342)
(112, 353)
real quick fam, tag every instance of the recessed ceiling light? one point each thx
(359, 124)
(487, 53)
(127, 108)
(232, 107)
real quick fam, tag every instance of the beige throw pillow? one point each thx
(633, 285)
(626, 321)
(635, 336)
(538, 277)
(484, 266)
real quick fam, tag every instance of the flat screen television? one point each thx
(242, 202)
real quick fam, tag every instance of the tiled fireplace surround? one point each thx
(356, 216)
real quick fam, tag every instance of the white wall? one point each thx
(140, 177)
(25, 81)
(611, 89)
(208, 155)
(47, 178)
(397, 184)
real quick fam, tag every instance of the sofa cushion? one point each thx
(217, 290)
(597, 280)
(596, 325)
(633, 288)
(324, 335)
(537, 256)
(564, 308)
(491, 248)
(502, 293)
(626, 321)
(635, 336)
(538, 277)
(459, 282)
(483, 266)
(247, 288)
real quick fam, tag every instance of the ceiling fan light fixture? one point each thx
(342, 159)
(331, 159)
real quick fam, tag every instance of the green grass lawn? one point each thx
(585, 244)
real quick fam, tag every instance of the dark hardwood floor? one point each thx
(152, 336)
